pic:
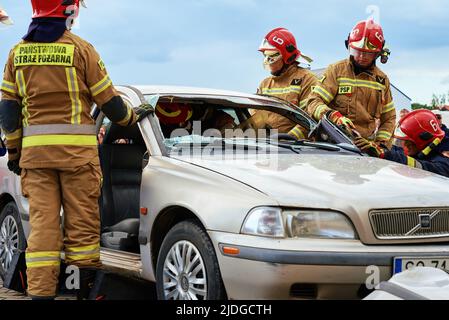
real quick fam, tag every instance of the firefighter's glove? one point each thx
(340, 120)
(369, 147)
(143, 111)
(13, 166)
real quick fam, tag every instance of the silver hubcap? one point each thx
(184, 273)
(9, 241)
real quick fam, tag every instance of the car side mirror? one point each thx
(146, 159)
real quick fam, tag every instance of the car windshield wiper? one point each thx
(296, 146)
(214, 144)
(270, 142)
(321, 146)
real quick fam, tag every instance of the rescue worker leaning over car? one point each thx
(288, 80)
(51, 80)
(355, 93)
(426, 145)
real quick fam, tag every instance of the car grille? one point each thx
(410, 223)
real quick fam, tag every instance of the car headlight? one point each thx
(265, 221)
(276, 223)
(318, 224)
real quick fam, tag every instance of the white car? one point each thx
(212, 217)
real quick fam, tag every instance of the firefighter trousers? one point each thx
(76, 190)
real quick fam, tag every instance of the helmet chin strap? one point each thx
(423, 154)
(359, 68)
(281, 71)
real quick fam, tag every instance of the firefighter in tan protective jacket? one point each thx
(288, 81)
(355, 93)
(51, 80)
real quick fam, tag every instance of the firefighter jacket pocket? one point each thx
(96, 179)
(23, 182)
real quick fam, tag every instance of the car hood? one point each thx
(339, 182)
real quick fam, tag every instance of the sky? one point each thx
(213, 43)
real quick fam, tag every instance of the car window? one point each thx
(197, 122)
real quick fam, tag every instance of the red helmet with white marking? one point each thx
(55, 8)
(420, 127)
(283, 41)
(367, 36)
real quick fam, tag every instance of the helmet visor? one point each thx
(271, 57)
(400, 135)
(363, 58)
(265, 45)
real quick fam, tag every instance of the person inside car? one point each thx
(174, 116)
(426, 145)
(213, 118)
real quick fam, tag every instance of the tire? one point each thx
(199, 281)
(11, 227)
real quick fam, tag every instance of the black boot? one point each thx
(87, 282)
(42, 298)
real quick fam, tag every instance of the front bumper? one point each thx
(308, 268)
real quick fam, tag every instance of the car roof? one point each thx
(155, 89)
(197, 91)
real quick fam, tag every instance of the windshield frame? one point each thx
(260, 102)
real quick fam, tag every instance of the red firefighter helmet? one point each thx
(420, 127)
(282, 40)
(173, 113)
(55, 8)
(367, 36)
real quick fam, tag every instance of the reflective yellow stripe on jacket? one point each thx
(77, 107)
(384, 135)
(320, 111)
(54, 140)
(388, 108)
(59, 134)
(20, 79)
(8, 87)
(323, 93)
(411, 162)
(14, 135)
(360, 83)
(100, 86)
(296, 131)
(303, 103)
(280, 91)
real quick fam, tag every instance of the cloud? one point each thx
(214, 42)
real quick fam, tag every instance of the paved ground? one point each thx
(6, 294)
(113, 288)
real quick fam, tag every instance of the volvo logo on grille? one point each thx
(425, 221)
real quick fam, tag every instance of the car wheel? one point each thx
(12, 238)
(187, 267)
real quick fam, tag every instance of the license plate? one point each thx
(403, 264)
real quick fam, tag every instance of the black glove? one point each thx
(13, 165)
(143, 111)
